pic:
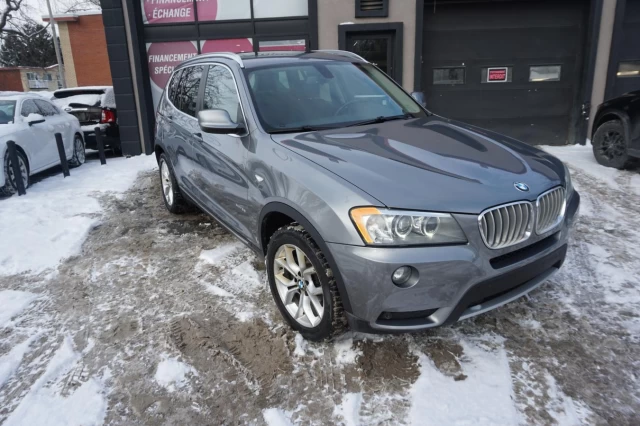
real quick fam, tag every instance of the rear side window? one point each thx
(29, 107)
(220, 92)
(186, 91)
(46, 108)
(173, 86)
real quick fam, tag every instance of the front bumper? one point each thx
(455, 282)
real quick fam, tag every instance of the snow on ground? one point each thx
(12, 303)
(167, 319)
(171, 374)
(483, 397)
(51, 222)
(45, 403)
(581, 157)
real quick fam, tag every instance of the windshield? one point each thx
(318, 95)
(7, 111)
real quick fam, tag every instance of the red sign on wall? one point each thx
(497, 74)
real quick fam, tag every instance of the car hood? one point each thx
(430, 163)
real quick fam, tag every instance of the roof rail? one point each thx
(342, 53)
(227, 55)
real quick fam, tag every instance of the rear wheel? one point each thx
(10, 187)
(303, 285)
(79, 155)
(610, 146)
(171, 195)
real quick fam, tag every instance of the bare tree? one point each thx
(7, 7)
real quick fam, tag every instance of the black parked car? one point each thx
(94, 106)
(616, 131)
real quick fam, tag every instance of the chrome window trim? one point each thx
(563, 209)
(528, 231)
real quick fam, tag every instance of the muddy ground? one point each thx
(150, 285)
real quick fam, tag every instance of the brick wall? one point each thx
(10, 80)
(89, 47)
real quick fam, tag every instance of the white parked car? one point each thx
(32, 122)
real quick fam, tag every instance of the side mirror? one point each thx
(34, 119)
(420, 98)
(218, 121)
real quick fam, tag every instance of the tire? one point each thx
(320, 323)
(171, 195)
(10, 186)
(79, 154)
(610, 146)
(117, 150)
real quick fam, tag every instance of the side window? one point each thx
(46, 108)
(221, 93)
(173, 87)
(186, 95)
(29, 107)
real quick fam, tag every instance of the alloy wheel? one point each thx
(79, 148)
(612, 145)
(298, 285)
(167, 185)
(23, 172)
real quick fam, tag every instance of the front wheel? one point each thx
(303, 285)
(10, 186)
(610, 146)
(79, 155)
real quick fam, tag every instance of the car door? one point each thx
(218, 158)
(60, 123)
(180, 125)
(36, 139)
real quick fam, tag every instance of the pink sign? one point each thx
(235, 45)
(163, 57)
(167, 11)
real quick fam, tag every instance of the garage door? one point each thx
(510, 66)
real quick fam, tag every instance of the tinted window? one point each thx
(220, 92)
(29, 107)
(186, 94)
(46, 108)
(7, 110)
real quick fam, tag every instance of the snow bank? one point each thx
(44, 404)
(581, 157)
(12, 303)
(171, 373)
(51, 222)
(484, 397)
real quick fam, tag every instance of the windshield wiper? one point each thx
(382, 119)
(305, 128)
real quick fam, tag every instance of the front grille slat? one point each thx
(506, 225)
(550, 207)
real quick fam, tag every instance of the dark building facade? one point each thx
(528, 68)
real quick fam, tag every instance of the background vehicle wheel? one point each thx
(610, 147)
(171, 194)
(117, 150)
(79, 155)
(303, 285)
(10, 186)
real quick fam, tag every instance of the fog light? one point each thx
(401, 275)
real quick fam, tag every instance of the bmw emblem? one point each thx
(521, 186)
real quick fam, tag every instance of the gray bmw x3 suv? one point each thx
(370, 212)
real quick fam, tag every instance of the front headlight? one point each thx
(400, 228)
(568, 185)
